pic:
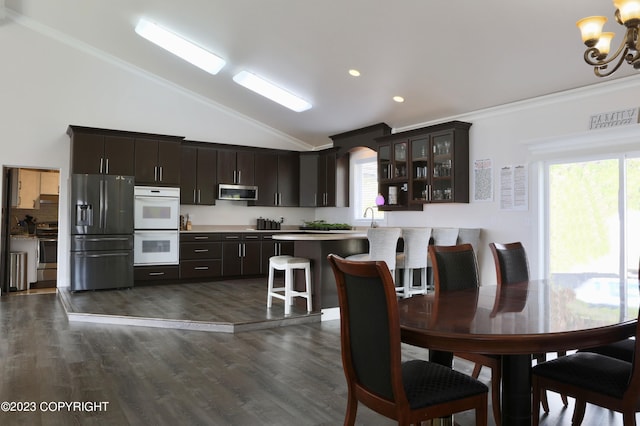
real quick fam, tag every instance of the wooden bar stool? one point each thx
(287, 293)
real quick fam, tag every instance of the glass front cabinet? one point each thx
(427, 165)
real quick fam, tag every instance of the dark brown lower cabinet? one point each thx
(241, 255)
(271, 247)
(200, 255)
(148, 274)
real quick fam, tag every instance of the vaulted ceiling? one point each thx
(446, 58)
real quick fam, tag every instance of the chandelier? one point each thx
(599, 43)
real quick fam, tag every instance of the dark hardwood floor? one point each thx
(284, 375)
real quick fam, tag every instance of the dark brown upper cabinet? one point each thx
(236, 167)
(157, 161)
(94, 151)
(324, 179)
(427, 165)
(198, 175)
(278, 178)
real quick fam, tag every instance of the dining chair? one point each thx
(512, 266)
(383, 243)
(591, 378)
(414, 257)
(456, 268)
(409, 392)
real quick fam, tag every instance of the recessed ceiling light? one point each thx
(271, 91)
(354, 73)
(398, 99)
(180, 47)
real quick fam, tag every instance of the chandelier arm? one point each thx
(598, 69)
(591, 55)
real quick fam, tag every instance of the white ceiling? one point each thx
(445, 58)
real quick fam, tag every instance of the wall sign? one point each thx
(622, 117)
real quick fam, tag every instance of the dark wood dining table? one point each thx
(516, 321)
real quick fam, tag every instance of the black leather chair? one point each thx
(456, 268)
(512, 266)
(591, 378)
(409, 392)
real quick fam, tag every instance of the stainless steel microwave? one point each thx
(237, 192)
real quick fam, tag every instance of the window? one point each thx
(593, 224)
(365, 184)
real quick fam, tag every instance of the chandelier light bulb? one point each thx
(591, 28)
(629, 11)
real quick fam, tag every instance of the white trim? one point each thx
(330, 314)
(611, 140)
(544, 101)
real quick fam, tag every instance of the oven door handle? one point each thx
(48, 239)
(158, 199)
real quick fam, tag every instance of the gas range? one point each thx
(47, 230)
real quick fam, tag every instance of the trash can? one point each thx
(18, 271)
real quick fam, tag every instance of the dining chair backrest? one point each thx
(383, 243)
(634, 380)
(454, 267)
(511, 262)
(369, 326)
(416, 247)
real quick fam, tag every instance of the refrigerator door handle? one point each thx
(106, 239)
(119, 254)
(103, 207)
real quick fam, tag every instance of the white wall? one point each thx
(47, 84)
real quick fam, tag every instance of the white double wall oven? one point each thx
(156, 223)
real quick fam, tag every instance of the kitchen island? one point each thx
(316, 246)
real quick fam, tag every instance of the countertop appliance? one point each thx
(157, 225)
(101, 232)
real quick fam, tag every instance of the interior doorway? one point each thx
(30, 213)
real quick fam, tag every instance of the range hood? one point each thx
(237, 192)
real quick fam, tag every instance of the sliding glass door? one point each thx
(594, 226)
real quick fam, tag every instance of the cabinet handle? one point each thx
(239, 176)
(199, 196)
(155, 173)
(201, 268)
(194, 195)
(155, 273)
(231, 237)
(107, 167)
(200, 250)
(161, 167)
(200, 238)
(101, 163)
(239, 250)
(235, 172)
(244, 249)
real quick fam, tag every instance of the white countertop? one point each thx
(322, 236)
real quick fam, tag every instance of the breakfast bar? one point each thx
(316, 246)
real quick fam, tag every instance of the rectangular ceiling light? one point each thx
(180, 47)
(270, 91)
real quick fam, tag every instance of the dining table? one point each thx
(516, 321)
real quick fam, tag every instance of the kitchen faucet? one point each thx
(373, 224)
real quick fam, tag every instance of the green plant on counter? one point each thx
(321, 225)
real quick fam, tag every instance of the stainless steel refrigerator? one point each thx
(101, 232)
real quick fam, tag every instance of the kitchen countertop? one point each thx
(236, 228)
(322, 236)
(24, 236)
(288, 229)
